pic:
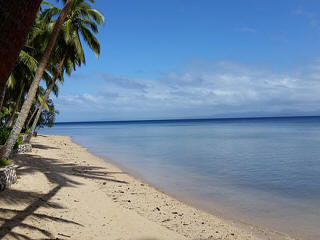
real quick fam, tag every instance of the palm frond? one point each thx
(11, 81)
(90, 39)
(97, 16)
(28, 60)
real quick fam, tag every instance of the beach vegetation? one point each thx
(19, 123)
(5, 162)
(81, 23)
(4, 135)
(54, 46)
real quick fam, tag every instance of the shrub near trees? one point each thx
(53, 47)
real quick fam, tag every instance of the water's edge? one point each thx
(260, 231)
(259, 171)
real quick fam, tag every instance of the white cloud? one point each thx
(203, 90)
(91, 98)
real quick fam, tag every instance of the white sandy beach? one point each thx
(65, 192)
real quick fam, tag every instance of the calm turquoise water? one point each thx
(265, 171)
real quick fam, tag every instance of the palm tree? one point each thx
(33, 113)
(7, 148)
(48, 115)
(25, 67)
(82, 20)
(20, 14)
(16, 106)
(20, 80)
(45, 98)
(41, 92)
(3, 89)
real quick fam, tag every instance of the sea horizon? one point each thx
(188, 119)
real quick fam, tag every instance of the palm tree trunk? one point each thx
(7, 148)
(16, 19)
(36, 119)
(30, 119)
(26, 126)
(10, 121)
(35, 122)
(3, 90)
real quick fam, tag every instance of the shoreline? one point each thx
(125, 204)
(260, 232)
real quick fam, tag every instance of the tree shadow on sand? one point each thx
(41, 146)
(59, 175)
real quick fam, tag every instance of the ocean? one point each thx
(262, 171)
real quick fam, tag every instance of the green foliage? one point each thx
(19, 142)
(6, 111)
(80, 26)
(25, 132)
(4, 135)
(5, 162)
(47, 118)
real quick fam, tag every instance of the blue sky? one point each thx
(198, 59)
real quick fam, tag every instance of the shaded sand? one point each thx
(65, 192)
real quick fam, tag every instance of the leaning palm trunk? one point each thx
(3, 94)
(35, 122)
(31, 117)
(7, 148)
(26, 126)
(10, 121)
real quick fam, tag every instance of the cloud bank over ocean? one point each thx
(203, 89)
